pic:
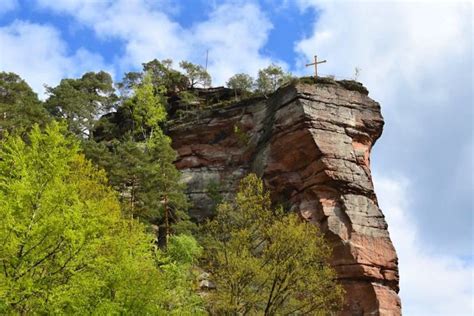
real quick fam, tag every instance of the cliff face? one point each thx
(311, 145)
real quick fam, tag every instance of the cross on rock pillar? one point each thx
(316, 62)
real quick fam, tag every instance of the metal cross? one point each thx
(316, 62)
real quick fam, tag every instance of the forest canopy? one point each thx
(95, 218)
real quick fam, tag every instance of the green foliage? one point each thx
(72, 245)
(129, 81)
(241, 135)
(79, 102)
(188, 97)
(271, 78)
(357, 71)
(140, 163)
(265, 262)
(164, 179)
(178, 287)
(147, 180)
(213, 191)
(165, 79)
(241, 82)
(196, 74)
(65, 247)
(20, 107)
(329, 80)
(146, 107)
(183, 249)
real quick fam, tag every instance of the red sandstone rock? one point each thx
(311, 144)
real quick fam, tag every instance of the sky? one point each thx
(416, 59)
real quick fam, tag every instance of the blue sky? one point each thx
(415, 58)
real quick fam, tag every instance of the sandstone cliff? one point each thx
(311, 145)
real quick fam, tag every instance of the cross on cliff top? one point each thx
(316, 62)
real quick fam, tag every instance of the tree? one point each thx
(196, 74)
(147, 180)
(266, 262)
(129, 81)
(146, 107)
(177, 261)
(164, 78)
(242, 82)
(140, 165)
(271, 78)
(164, 182)
(66, 248)
(79, 102)
(20, 107)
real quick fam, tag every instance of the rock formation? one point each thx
(311, 145)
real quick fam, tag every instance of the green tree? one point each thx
(271, 78)
(147, 180)
(241, 82)
(266, 262)
(196, 74)
(164, 78)
(20, 107)
(66, 248)
(177, 261)
(81, 101)
(164, 182)
(129, 81)
(183, 249)
(146, 107)
(140, 166)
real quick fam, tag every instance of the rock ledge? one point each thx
(311, 144)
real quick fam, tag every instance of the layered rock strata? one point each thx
(311, 145)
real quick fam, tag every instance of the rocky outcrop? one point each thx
(311, 145)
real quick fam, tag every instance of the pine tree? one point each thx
(195, 74)
(79, 102)
(140, 165)
(20, 107)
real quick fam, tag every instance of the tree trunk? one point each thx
(167, 223)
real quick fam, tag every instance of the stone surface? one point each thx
(311, 145)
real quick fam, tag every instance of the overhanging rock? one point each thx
(311, 145)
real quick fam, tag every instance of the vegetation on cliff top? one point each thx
(95, 216)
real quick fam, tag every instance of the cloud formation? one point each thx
(233, 33)
(416, 60)
(431, 283)
(234, 37)
(39, 55)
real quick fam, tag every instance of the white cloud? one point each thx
(431, 283)
(234, 33)
(390, 41)
(234, 36)
(37, 53)
(146, 32)
(416, 60)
